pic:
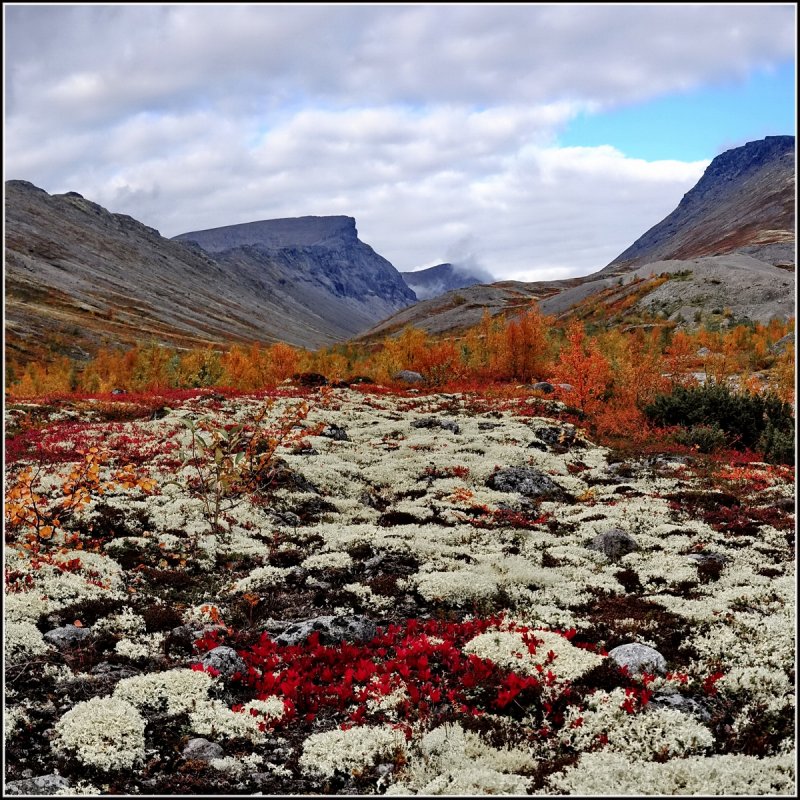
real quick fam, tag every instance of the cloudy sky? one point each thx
(537, 141)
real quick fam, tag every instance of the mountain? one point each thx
(460, 309)
(728, 250)
(434, 281)
(79, 277)
(317, 261)
(744, 201)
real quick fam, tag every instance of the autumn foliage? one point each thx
(606, 373)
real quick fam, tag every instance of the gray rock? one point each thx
(679, 702)
(434, 422)
(351, 628)
(115, 671)
(488, 426)
(565, 387)
(409, 376)
(224, 659)
(560, 437)
(336, 433)
(639, 658)
(202, 750)
(44, 784)
(543, 386)
(66, 637)
(614, 544)
(525, 480)
(703, 352)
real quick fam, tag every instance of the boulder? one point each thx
(408, 376)
(202, 750)
(679, 702)
(543, 386)
(331, 630)
(639, 658)
(336, 433)
(44, 784)
(310, 379)
(614, 544)
(66, 637)
(525, 480)
(225, 660)
(560, 437)
(435, 422)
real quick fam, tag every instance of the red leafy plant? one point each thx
(420, 664)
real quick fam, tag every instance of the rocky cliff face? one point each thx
(435, 281)
(79, 276)
(316, 260)
(744, 202)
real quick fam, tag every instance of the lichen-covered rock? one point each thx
(435, 422)
(525, 480)
(331, 629)
(336, 433)
(225, 660)
(66, 637)
(200, 749)
(44, 784)
(614, 544)
(639, 658)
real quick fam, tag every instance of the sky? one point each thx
(534, 141)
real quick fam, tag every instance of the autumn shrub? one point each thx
(747, 420)
(230, 461)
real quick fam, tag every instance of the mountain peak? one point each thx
(744, 198)
(273, 234)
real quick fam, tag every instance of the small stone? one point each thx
(224, 659)
(408, 376)
(331, 630)
(543, 386)
(687, 705)
(202, 750)
(614, 544)
(66, 637)
(336, 433)
(44, 784)
(525, 480)
(639, 658)
(434, 422)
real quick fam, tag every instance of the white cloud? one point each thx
(426, 123)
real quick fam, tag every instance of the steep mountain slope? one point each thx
(745, 199)
(318, 261)
(78, 277)
(434, 281)
(730, 241)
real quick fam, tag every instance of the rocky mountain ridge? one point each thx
(731, 239)
(434, 281)
(745, 199)
(79, 277)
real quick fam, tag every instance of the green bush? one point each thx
(706, 438)
(756, 422)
